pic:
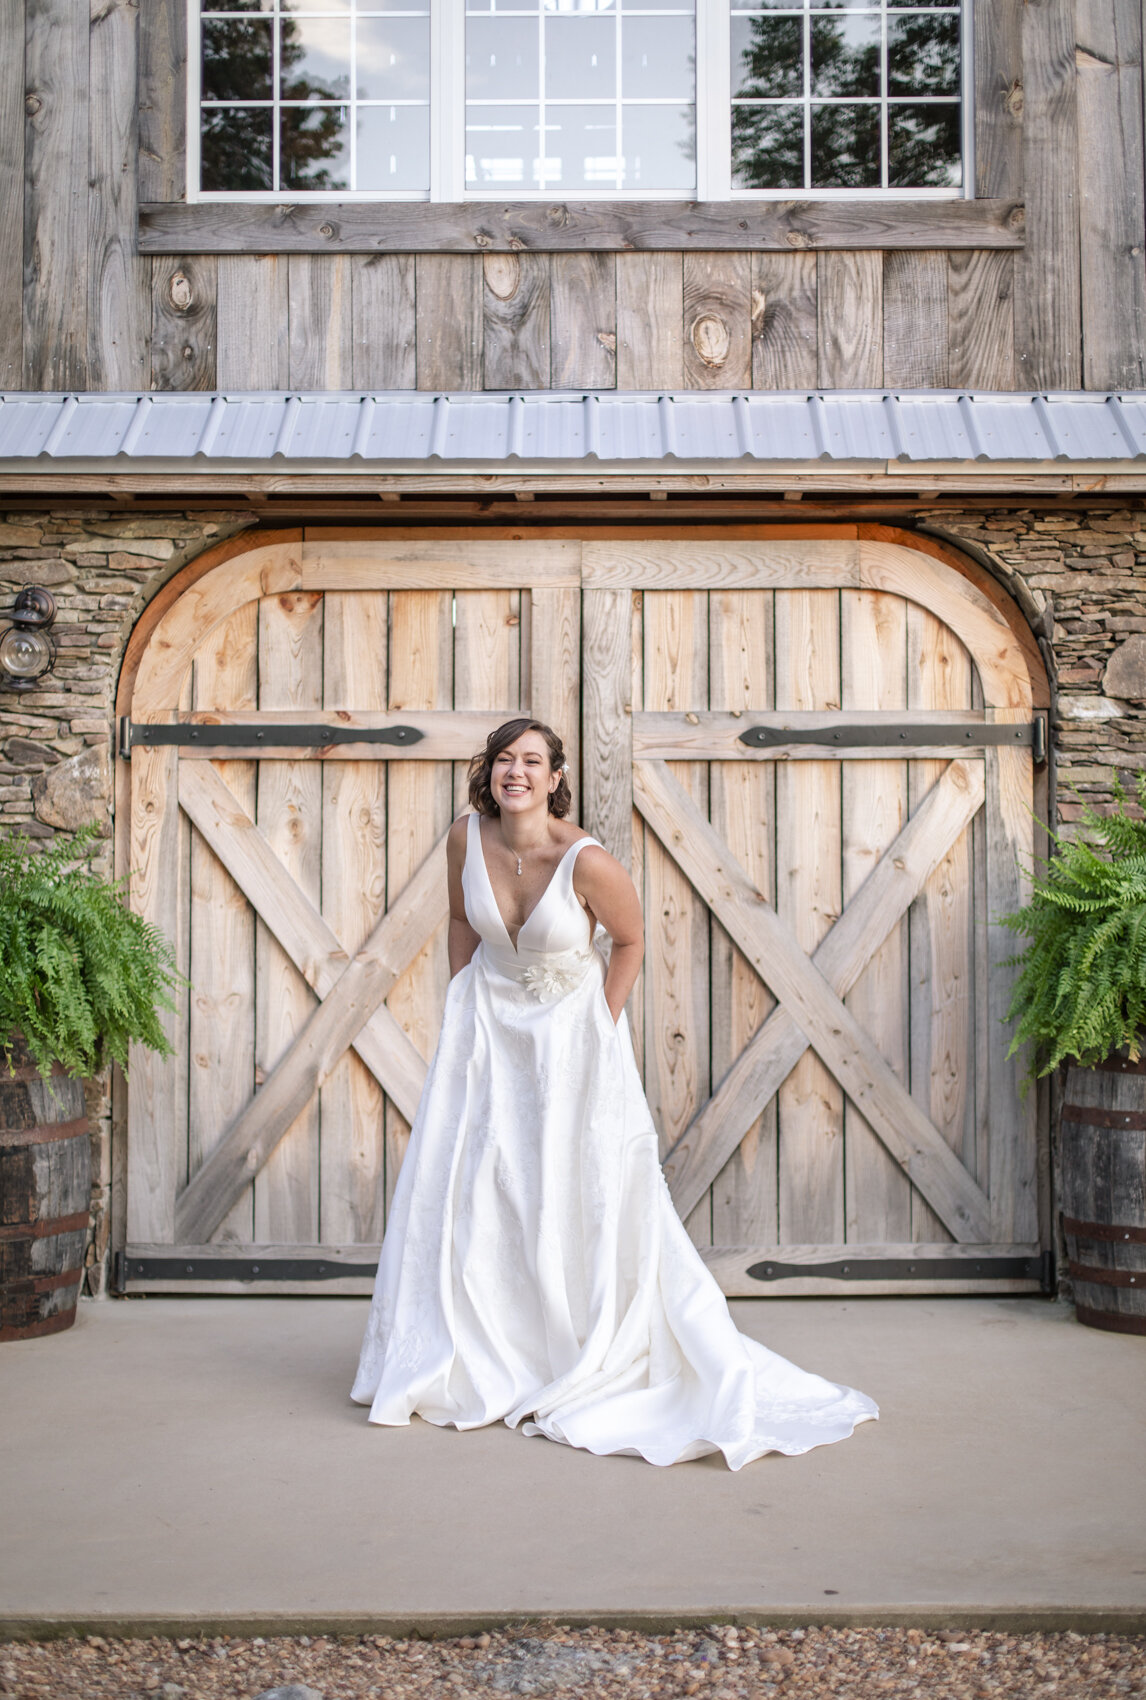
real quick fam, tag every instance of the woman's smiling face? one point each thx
(522, 777)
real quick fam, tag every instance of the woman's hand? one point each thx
(462, 940)
(611, 898)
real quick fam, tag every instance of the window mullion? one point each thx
(448, 99)
(713, 100)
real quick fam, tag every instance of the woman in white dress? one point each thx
(534, 1270)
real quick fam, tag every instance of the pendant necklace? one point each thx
(518, 866)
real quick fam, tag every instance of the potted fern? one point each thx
(81, 980)
(1080, 1001)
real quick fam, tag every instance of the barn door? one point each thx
(300, 728)
(818, 761)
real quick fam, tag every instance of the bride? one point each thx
(534, 1270)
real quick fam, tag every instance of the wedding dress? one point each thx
(534, 1270)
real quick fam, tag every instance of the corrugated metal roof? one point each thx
(847, 425)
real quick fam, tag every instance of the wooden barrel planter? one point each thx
(1104, 1193)
(45, 1198)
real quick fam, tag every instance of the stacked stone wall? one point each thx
(1079, 578)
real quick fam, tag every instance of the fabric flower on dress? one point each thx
(554, 977)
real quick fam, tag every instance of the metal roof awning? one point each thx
(950, 434)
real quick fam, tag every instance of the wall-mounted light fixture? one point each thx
(26, 649)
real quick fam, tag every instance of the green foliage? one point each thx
(81, 977)
(1082, 990)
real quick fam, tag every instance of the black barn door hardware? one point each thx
(1038, 1268)
(256, 738)
(1030, 735)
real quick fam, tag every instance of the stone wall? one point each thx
(1080, 579)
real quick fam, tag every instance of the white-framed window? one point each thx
(446, 100)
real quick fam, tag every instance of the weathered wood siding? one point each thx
(1059, 127)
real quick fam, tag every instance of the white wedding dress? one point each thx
(534, 1270)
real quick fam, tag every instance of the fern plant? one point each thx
(81, 976)
(1081, 992)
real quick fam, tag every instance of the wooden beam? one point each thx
(831, 1030)
(423, 227)
(297, 925)
(330, 1031)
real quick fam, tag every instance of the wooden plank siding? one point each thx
(1040, 283)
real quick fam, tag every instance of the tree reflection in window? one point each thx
(237, 141)
(827, 97)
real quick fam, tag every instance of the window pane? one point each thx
(768, 147)
(393, 147)
(923, 54)
(237, 58)
(393, 59)
(580, 58)
(658, 58)
(845, 55)
(580, 148)
(767, 56)
(314, 58)
(580, 6)
(923, 147)
(659, 147)
(236, 150)
(502, 144)
(502, 58)
(342, 6)
(314, 147)
(845, 147)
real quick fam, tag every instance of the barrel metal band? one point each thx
(1114, 1321)
(46, 1229)
(18, 1287)
(1103, 1230)
(1094, 1115)
(42, 1133)
(1107, 1277)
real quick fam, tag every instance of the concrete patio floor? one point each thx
(171, 1465)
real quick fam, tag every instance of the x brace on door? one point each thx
(810, 990)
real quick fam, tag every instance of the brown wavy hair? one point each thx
(481, 766)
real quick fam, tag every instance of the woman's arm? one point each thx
(463, 941)
(610, 894)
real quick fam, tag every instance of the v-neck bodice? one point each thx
(555, 925)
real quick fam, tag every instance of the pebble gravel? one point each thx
(718, 1663)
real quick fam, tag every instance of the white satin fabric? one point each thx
(534, 1270)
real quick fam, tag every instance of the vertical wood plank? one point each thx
(1047, 270)
(55, 196)
(183, 326)
(119, 309)
(717, 293)
(677, 1010)
(383, 322)
(352, 1164)
(915, 320)
(808, 826)
(11, 194)
(162, 101)
(449, 325)
(289, 816)
(940, 922)
(583, 321)
(515, 322)
(1013, 1120)
(875, 801)
(998, 96)
(784, 321)
(253, 322)
(318, 307)
(981, 319)
(157, 1149)
(555, 649)
(741, 663)
(420, 806)
(222, 925)
(1112, 221)
(849, 320)
(650, 321)
(607, 725)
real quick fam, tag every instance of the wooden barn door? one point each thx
(818, 761)
(298, 739)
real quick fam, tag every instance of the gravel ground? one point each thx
(718, 1662)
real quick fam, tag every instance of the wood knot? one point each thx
(32, 105)
(711, 338)
(502, 275)
(759, 308)
(179, 292)
(557, 215)
(326, 230)
(1013, 100)
(798, 239)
